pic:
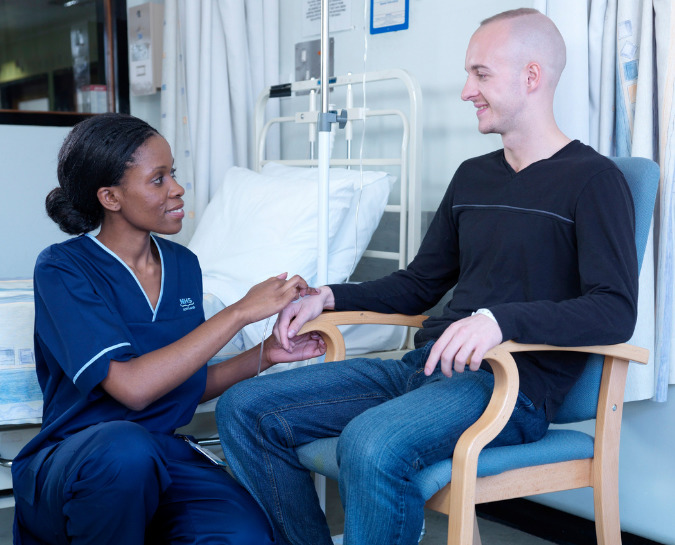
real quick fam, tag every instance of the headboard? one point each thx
(387, 138)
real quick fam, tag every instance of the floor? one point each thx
(436, 526)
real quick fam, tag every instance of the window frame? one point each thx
(116, 65)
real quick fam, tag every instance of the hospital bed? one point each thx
(262, 221)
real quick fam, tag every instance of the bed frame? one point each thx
(406, 158)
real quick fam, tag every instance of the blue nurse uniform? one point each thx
(99, 472)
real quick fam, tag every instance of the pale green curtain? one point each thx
(218, 56)
(624, 107)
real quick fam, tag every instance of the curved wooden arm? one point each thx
(621, 351)
(327, 322)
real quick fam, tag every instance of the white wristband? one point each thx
(486, 312)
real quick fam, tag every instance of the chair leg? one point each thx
(476, 534)
(607, 521)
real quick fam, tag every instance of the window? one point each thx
(62, 60)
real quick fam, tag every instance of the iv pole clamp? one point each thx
(332, 116)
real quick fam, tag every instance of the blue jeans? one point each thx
(392, 420)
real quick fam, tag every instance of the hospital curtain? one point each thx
(218, 56)
(626, 110)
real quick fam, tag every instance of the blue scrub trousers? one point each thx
(117, 483)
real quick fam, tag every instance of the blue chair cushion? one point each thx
(556, 446)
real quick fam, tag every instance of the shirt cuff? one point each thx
(486, 312)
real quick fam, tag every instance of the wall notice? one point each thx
(339, 12)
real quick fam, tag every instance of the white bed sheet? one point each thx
(20, 394)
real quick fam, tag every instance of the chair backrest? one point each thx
(642, 175)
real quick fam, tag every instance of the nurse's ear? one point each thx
(108, 198)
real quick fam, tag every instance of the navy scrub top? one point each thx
(90, 309)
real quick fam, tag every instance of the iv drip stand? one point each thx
(326, 119)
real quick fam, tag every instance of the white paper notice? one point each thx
(339, 11)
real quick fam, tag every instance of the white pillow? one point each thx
(260, 225)
(370, 197)
(257, 226)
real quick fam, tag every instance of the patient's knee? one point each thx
(364, 447)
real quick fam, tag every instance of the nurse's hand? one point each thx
(271, 296)
(304, 347)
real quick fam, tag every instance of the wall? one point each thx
(28, 156)
(432, 50)
(147, 107)
(646, 473)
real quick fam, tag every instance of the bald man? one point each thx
(537, 240)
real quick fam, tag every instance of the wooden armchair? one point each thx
(561, 460)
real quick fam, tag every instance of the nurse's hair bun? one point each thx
(95, 154)
(70, 220)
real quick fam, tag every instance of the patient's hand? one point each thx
(304, 347)
(298, 313)
(272, 295)
(464, 342)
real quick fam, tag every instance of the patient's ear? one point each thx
(533, 75)
(107, 196)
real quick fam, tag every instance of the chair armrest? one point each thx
(502, 363)
(327, 322)
(620, 351)
(505, 391)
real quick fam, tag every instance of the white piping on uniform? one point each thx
(92, 360)
(161, 258)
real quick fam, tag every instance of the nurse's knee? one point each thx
(125, 454)
(251, 531)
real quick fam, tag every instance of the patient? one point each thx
(537, 240)
(121, 347)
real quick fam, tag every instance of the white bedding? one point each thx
(20, 394)
(261, 225)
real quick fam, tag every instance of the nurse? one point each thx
(121, 347)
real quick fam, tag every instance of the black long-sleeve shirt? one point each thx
(550, 250)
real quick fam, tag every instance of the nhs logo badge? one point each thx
(186, 304)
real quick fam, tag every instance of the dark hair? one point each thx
(95, 154)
